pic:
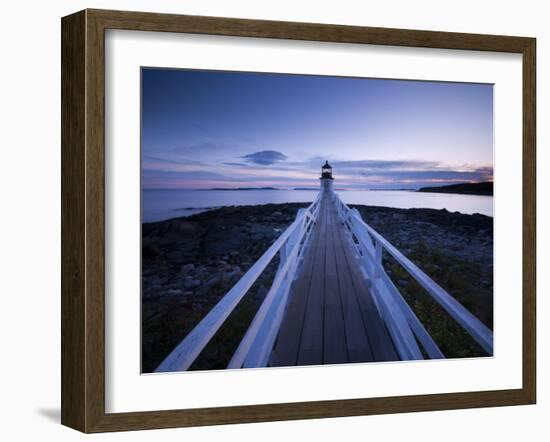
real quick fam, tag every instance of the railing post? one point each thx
(378, 259)
(282, 256)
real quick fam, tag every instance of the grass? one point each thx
(460, 279)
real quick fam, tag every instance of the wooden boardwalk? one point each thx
(331, 316)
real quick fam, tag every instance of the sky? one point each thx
(215, 129)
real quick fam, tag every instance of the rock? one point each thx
(163, 280)
(178, 234)
(201, 271)
(150, 252)
(189, 284)
(187, 268)
(403, 283)
(210, 285)
(173, 292)
(233, 276)
(185, 226)
(213, 281)
(219, 242)
(260, 232)
(175, 255)
(424, 224)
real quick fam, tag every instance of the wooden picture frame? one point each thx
(83, 220)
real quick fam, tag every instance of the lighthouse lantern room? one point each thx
(326, 177)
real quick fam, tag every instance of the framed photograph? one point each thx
(270, 220)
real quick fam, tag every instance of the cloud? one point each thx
(237, 164)
(271, 167)
(264, 157)
(475, 175)
(419, 178)
(386, 164)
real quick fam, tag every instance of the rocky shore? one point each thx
(189, 263)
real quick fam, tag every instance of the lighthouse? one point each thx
(326, 177)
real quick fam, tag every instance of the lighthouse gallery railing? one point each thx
(255, 347)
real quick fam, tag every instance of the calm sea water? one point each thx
(158, 205)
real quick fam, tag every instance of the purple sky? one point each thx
(203, 129)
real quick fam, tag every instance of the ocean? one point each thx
(158, 205)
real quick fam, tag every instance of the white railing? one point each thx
(257, 343)
(405, 328)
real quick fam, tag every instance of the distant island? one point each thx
(392, 190)
(242, 188)
(483, 188)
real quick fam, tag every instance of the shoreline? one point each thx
(200, 210)
(189, 263)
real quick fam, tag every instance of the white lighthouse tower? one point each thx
(326, 178)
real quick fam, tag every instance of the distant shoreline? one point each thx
(241, 188)
(159, 205)
(248, 209)
(484, 188)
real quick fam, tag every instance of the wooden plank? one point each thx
(334, 342)
(311, 343)
(286, 348)
(356, 335)
(379, 338)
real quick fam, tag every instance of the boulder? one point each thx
(173, 292)
(221, 241)
(260, 232)
(190, 284)
(187, 268)
(149, 252)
